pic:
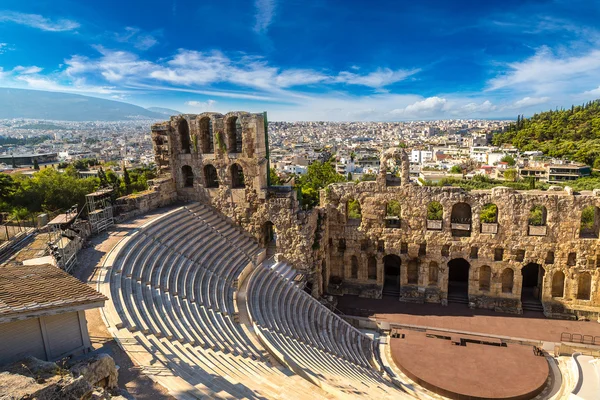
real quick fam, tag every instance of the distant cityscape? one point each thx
(437, 149)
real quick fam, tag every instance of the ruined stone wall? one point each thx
(336, 251)
(413, 242)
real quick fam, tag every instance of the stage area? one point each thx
(530, 325)
(472, 370)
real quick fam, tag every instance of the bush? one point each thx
(354, 211)
(393, 209)
(489, 214)
(435, 211)
(537, 216)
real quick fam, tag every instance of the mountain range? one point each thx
(37, 104)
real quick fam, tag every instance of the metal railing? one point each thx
(580, 338)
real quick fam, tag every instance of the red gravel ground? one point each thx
(460, 317)
(474, 370)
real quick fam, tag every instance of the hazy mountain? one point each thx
(37, 104)
(165, 111)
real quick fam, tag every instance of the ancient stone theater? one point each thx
(229, 291)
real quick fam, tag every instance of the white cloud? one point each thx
(471, 108)
(546, 72)
(201, 106)
(135, 36)
(39, 21)
(593, 92)
(265, 11)
(4, 47)
(19, 69)
(376, 79)
(422, 108)
(530, 101)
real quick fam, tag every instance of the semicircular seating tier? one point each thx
(309, 338)
(173, 285)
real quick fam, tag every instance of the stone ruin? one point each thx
(421, 244)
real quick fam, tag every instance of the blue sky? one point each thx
(310, 60)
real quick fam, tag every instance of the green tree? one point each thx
(510, 175)
(456, 169)
(126, 181)
(274, 178)
(354, 210)
(36, 166)
(349, 177)
(489, 214)
(318, 176)
(7, 187)
(368, 177)
(393, 209)
(537, 216)
(510, 160)
(435, 211)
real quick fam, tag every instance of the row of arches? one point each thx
(233, 135)
(211, 178)
(461, 216)
(458, 278)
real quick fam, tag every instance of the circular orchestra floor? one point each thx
(459, 367)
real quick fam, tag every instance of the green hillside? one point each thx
(572, 134)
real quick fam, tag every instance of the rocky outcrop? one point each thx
(30, 378)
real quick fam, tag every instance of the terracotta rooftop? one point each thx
(33, 288)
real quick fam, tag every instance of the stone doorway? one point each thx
(391, 275)
(270, 238)
(531, 287)
(458, 281)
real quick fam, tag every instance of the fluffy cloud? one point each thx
(376, 79)
(530, 101)
(135, 36)
(201, 106)
(39, 21)
(422, 108)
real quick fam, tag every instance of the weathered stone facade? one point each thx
(500, 265)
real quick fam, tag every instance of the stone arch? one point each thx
(207, 143)
(237, 177)
(584, 286)
(183, 129)
(372, 268)
(269, 234)
(187, 175)
(211, 179)
(391, 274)
(435, 215)
(590, 222)
(394, 167)
(485, 278)
(412, 272)
(354, 267)
(433, 273)
(489, 214)
(353, 210)
(538, 215)
(558, 284)
(508, 278)
(234, 134)
(458, 280)
(460, 218)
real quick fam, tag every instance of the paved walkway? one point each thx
(131, 377)
(530, 325)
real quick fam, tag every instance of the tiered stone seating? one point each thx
(172, 286)
(299, 328)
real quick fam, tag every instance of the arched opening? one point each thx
(234, 135)
(211, 178)
(187, 175)
(531, 287)
(412, 272)
(508, 276)
(392, 214)
(489, 214)
(461, 219)
(237, 177)
(184, 135)
(485, 277)
(458, 281)
(353, 211)
(590, 222)
(372, 268)
(537, 220)
(269, 235)
(435, 213)
(558, 284)
(433, 273)
(206, 135)
(391, 273)
(584, 286)
(354, 267)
